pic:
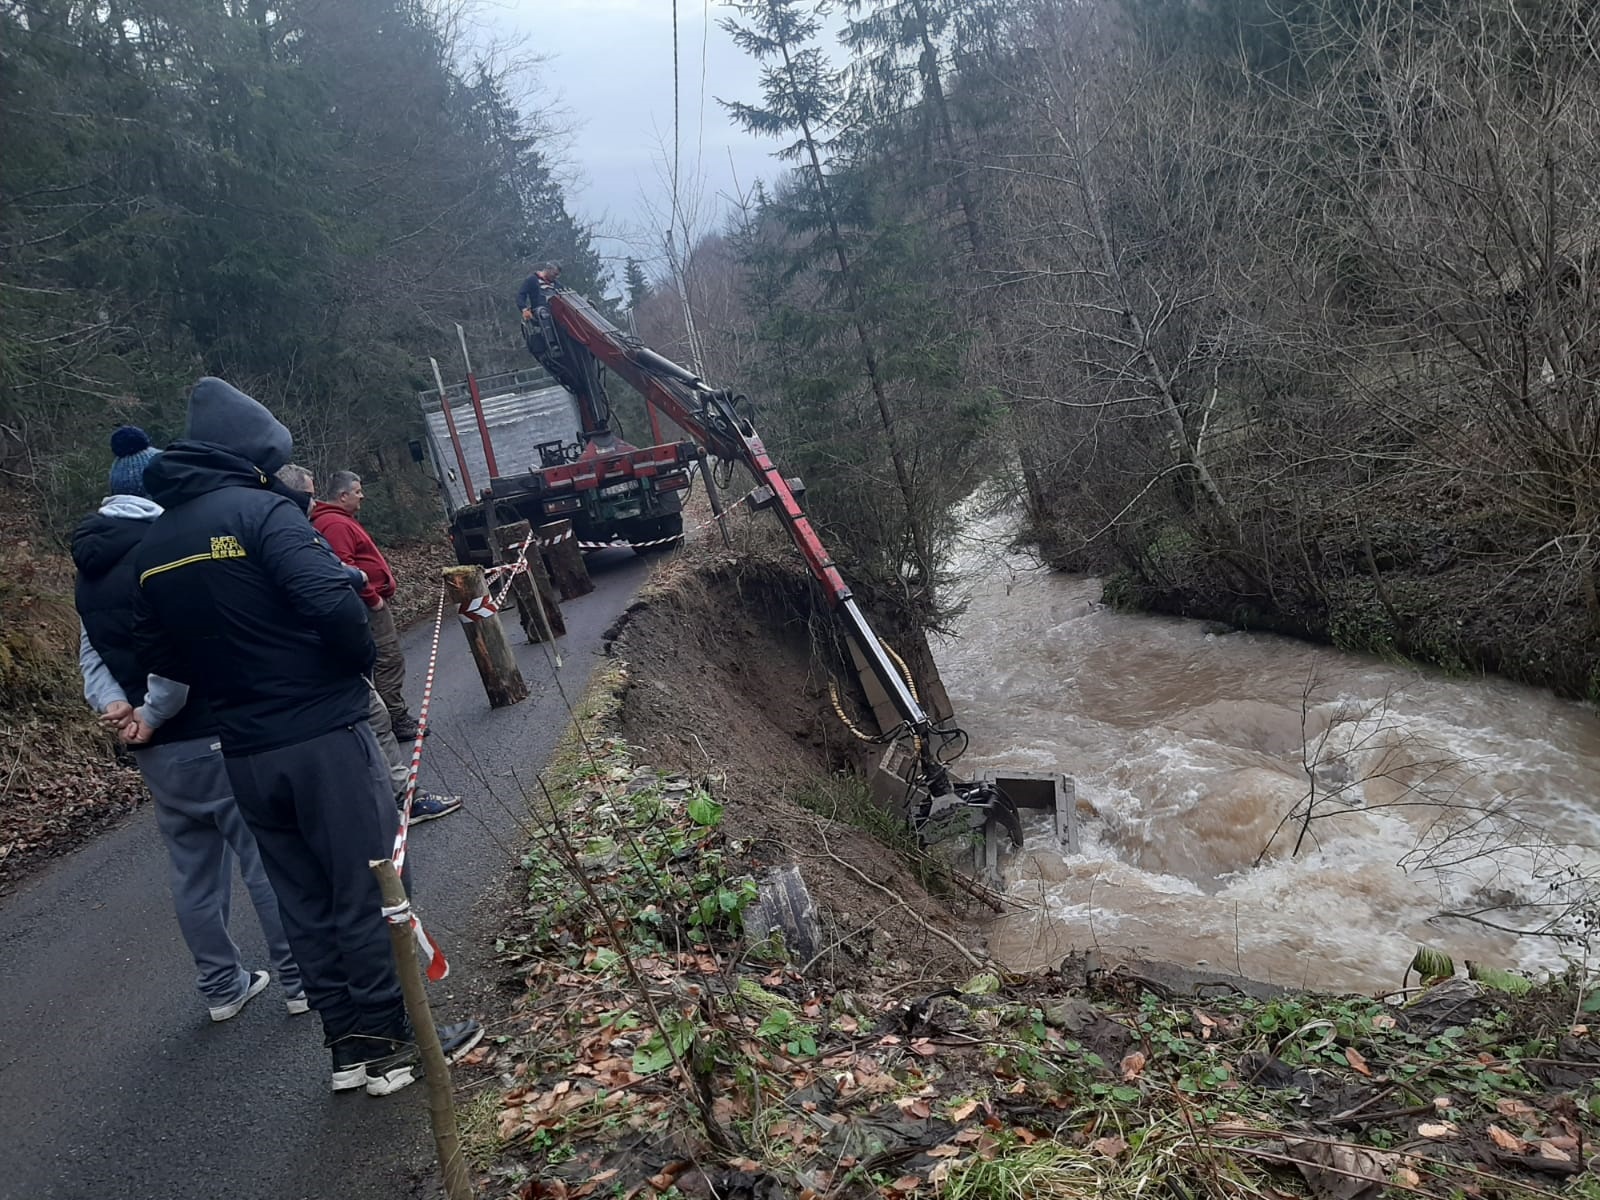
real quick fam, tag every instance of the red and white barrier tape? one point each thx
(434, 963)
(479, 608)
(509, 572)
(433, 959)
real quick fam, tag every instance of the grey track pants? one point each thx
(205, 834)
(321, 810)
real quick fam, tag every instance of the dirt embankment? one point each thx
(729, 664)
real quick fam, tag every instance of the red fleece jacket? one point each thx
(354, 545)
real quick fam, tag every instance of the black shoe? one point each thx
(405, 729)
(351, 1056)
(403, 1066)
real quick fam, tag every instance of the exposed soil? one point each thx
(728, 669)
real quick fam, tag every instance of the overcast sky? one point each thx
(609, 64)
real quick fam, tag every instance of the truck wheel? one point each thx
(458, 543)
(656, 536)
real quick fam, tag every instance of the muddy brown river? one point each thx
(1190, 747)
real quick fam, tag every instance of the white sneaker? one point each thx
(298, 1005)
(258, 983)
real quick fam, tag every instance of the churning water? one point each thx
(1194, 752)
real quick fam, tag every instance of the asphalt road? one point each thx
(115, 1085)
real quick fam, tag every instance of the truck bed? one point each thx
(518, 418)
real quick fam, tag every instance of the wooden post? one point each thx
(520, 589)
(538, 606)
(490, 650)
(564, 560)
(441, 1102)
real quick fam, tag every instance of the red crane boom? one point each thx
(574, 342)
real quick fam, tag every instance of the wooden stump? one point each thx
(564, 561)
(491, 650)
(538, 605)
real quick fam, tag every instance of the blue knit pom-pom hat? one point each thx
(134, 453)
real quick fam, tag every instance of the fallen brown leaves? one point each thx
(60, 786)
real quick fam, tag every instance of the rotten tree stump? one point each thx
(491, 650)
(564, 560)
(538, 605)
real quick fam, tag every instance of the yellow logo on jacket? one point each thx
(223, 546)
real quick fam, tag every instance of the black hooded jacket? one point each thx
(103, 549)
(239, 597)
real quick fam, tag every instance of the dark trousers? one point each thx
(321, 810)
(389, 672)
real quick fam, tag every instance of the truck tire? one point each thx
(458, 543)
(658, 535)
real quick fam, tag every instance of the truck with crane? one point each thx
(578, 347)
(619, 494)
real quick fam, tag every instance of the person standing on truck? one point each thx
(532, 294)
(335, 519)
(238, 598)
(173, 737)
(300, 486)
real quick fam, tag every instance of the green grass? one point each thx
(1042, 1171)
(847, 800)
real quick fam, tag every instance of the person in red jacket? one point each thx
(335, 519)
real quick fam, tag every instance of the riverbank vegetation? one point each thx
(1274, 313)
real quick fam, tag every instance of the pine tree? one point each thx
(635, 283)
(302, 197)
(798, 89)
(898, 82)
(544, 228)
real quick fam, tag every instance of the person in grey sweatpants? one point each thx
(175, 744)
(205, 836)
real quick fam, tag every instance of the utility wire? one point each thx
(679, 263)
(705, 38)
(675, 142)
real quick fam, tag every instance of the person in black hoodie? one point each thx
(238, 597)
(173, 737)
